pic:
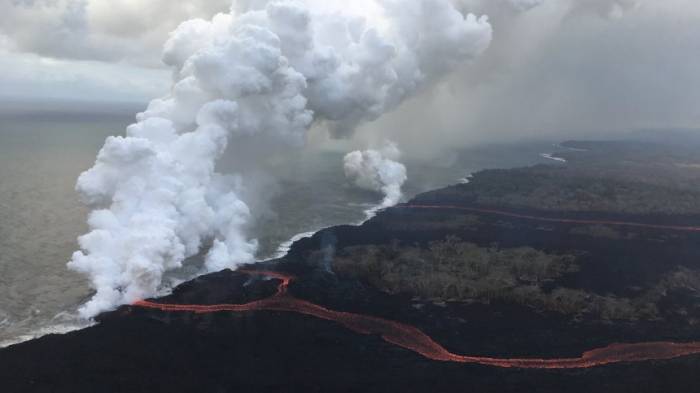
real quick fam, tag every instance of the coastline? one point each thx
(76, 324)
(592, 278)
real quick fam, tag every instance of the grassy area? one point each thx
(456, 271)
(569, 190)
(620, 177)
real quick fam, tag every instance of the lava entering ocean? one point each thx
(413, 339)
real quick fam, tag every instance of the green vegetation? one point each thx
(613, 177)
(451, 269)
(621, 177)
(547, 188)
(456, 271)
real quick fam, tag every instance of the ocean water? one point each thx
(43, 151)
(40, 215)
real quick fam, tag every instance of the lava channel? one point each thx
(413, 339)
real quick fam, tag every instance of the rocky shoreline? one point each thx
(619, 284)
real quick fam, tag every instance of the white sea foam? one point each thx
(69, 324)
(370, 212)
(466, 179)
(549, 156)
(284, 248)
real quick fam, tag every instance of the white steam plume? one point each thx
(378, 170)
(265, 72)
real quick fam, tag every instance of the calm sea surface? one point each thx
(43, 152)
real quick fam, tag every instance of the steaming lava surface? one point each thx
(579, 277)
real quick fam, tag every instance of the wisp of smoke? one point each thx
(377, 170)
(266, 71)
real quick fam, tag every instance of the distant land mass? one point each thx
(580, 276)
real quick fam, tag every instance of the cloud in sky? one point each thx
(103, 30)
(90, 49)
(553, 66)
(564, 69)
(29, 76)
(257, 81)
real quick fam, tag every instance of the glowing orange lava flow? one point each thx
(411, 338)
(555, 220)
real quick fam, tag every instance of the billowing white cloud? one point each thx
(261, 76)
(565, 69)
(377, 170)
(103, 30)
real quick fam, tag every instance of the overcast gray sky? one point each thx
(554, 65)
(92, 49)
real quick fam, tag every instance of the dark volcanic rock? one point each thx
(619, 270)
(271, 352)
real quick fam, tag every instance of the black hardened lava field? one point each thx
(581, 277)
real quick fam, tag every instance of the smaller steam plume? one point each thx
(378, 170)
(258, 76)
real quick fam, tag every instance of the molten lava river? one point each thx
(413, 339)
